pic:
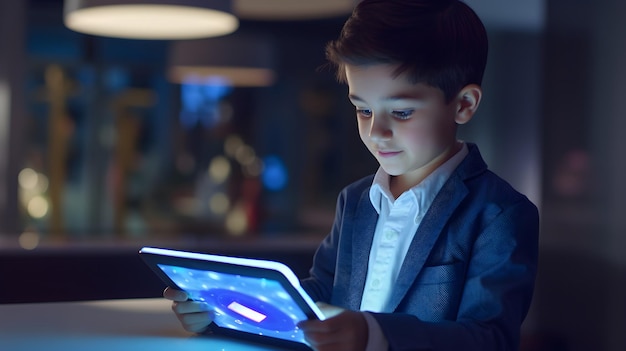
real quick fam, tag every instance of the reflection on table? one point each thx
(132, 324)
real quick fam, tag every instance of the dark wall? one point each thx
(49, 275)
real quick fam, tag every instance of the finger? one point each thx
(196, 322)
(174, 294)
(317, 326)
(347, 331)
(196, 328)
(189, 307)
(322, 304)
(329, 311)
(319, 339)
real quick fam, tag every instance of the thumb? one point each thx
(329, 311)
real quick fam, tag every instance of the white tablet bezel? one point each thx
(245, 267)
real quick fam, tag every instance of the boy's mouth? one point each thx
(382, 153)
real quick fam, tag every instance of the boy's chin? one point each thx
(392, 171)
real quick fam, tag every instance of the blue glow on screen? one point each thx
(255, 305)
(274, 175)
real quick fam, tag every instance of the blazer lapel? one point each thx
(429, 230)
(362, 238)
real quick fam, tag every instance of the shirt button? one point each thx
(391, 235)
(376, 283)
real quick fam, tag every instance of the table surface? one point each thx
(132, 324)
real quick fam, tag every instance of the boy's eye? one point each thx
(402, 114)
(364, 113)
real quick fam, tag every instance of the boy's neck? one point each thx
(399, 184)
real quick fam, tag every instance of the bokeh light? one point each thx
(219, 203)
(219, 169)
(237, 221)
(232, 144)
(29, 240)
(27, 178)
(274, 173)
(38, 207)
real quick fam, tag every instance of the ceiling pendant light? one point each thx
(151, 19)
(277, 10)
(241, 59)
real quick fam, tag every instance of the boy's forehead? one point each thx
(381, 72)
(380, 80)
(379, 68)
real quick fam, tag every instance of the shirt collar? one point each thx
(423, 193)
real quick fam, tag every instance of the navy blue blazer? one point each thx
(468, 277)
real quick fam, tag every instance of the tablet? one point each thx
(258, 300)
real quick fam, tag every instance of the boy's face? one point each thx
(408, 127)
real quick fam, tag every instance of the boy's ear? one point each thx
(468, 100)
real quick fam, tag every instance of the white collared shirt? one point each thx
(398, 221)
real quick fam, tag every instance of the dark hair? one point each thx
(442, 43)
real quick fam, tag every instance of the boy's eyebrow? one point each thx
(389, 98)
(354, 97)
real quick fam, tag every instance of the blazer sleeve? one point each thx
(496, 293)
(319, 284)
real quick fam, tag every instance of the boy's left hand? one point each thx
(343, 330)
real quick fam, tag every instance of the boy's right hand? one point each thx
(193, 315)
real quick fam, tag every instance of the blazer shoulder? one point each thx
(359, 186)
(483, 183)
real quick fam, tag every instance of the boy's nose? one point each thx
(379, 129)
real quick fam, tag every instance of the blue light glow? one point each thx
(274, 175)
(200, 102)
(255, 305)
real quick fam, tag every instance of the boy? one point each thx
(434, 251)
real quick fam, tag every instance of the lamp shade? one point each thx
(292, 9)
(239, 59)
(151, 19)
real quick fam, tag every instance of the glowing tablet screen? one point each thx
(255, 305)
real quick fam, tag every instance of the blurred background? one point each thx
(239, 144)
